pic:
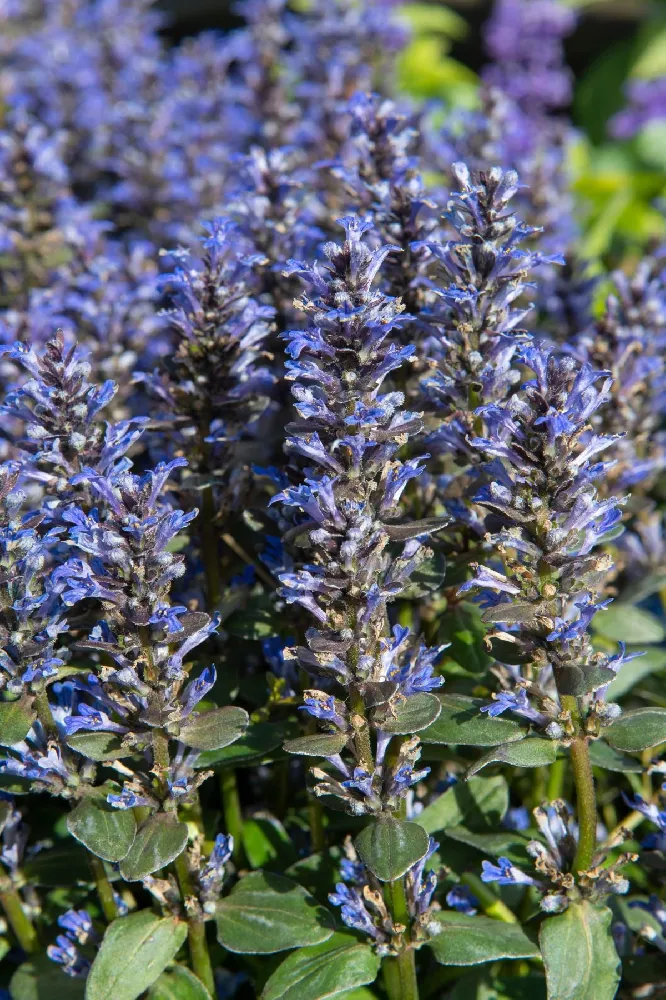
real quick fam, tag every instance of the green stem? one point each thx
(104, 888)
(18, 920)
(491, 905)
(316, 823)
(586, 801)
(161, 759)
(233, 815)
(196, 928)
(400, 970)
(556, 775)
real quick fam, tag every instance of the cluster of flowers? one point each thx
(194, 455)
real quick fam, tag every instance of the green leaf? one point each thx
(216, 729)
(465, 940)
(428, 577)
(135, 950)
(388, 847)
(158, 841)
(644, 586)
(326, 970)
(603, 755)
(317, 745)
(63, 865)
(465, 632)
(637, 730)
(266, 842)
(16, 719)
(631, 673)
(579, 954)
(480, 801)
(107, 832)
(410, 716)
(99, 746)
(317, 872)
(626, 623)
(178, 983)
(461, 722)
(256, 742)
(514, 612)
(502, 843)
(42, 979)
(257, 620)
(424, 18)
(266, 913)
(531, 752)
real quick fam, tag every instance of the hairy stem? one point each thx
(586, 802)
(400, 970)
(17, 918)
(196, 928)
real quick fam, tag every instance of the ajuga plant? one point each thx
(332, 519)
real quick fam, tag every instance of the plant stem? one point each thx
(586, 802)
(104, 888)
(18, 920)
(316, 823)
(196, 928)
(233, 815)
(490, 904)
(400, 970)
(556, 775)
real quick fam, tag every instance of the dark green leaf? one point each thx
(63, 865)
(326, 970)
(317, 872)
(579, 953)
(216, 729)
(427, 578)
(14, 784)
(461, 722)
(266, 913)
(410, 716)
(465, 940)
(16, 719)
(107, 832)
(317, 745)
(388, 847)
(531, 752)
(626, 623)
(637, 730)
(465, 632)
(158, 841)
(255, 621)
(178, 983)
(502, 843)
(479, 801)
(135, 950)
(512, 612)
(42, 979)
(256, 742)
(99, 746)
(602, 755)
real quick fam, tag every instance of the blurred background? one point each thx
(615, 42)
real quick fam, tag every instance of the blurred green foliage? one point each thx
(620, 185)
